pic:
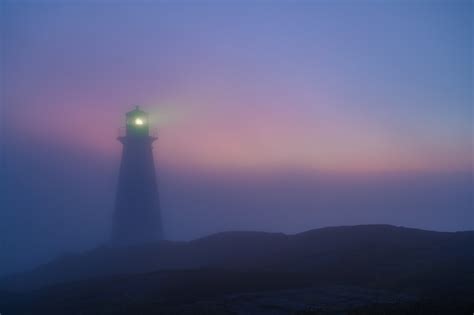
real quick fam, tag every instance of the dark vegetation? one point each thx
(373, 269)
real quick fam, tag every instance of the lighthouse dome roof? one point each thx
(136, 112)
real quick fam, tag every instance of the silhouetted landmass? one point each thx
(367, 269)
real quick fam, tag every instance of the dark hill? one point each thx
(366, 269)
(367, 254)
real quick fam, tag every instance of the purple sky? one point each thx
(276, 116)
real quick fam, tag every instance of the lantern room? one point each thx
(137, 123)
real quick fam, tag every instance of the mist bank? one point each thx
(63, 202)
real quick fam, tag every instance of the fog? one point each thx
(58, 200)
(272, 117)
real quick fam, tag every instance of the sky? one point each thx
(271, 115)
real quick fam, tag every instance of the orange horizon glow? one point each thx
(210, 139)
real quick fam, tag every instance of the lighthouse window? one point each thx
(139, 121)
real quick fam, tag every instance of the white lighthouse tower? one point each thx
(137, 217)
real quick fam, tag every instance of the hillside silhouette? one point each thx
(351, 266)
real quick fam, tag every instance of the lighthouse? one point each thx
(137, 217)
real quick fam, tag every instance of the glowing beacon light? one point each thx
(137, 124)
